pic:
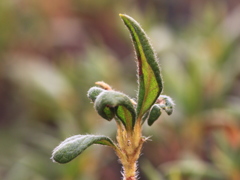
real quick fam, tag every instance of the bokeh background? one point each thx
(52, 52)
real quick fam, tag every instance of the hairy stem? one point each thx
(130, 171)
(130, 145)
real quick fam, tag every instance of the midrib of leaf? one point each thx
(149, 89)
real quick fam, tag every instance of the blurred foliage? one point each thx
(51, 52)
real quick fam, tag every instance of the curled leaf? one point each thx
(75, 145)
(93, 92)
(166, 103)
(111, 103)
(154, 114)
(150, 82)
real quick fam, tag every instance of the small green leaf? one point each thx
(154, 114)
(93, 92)
(75, 145)
(150, 82)
(111, 103)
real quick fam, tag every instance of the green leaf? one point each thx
(93, 92)
(154, 114)
(75, 145)
(149, 78)
(111, 103)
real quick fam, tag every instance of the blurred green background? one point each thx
(52, 52)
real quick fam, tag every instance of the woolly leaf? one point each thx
(75, 145)
(149, 78)
(93, 92)
(166, 103)
(154, 114)
(111, 103)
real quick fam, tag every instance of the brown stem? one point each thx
(130, 145)
(130, 171)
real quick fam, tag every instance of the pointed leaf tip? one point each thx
(149, 78)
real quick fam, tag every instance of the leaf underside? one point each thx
(149, 78)
(75, 145)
